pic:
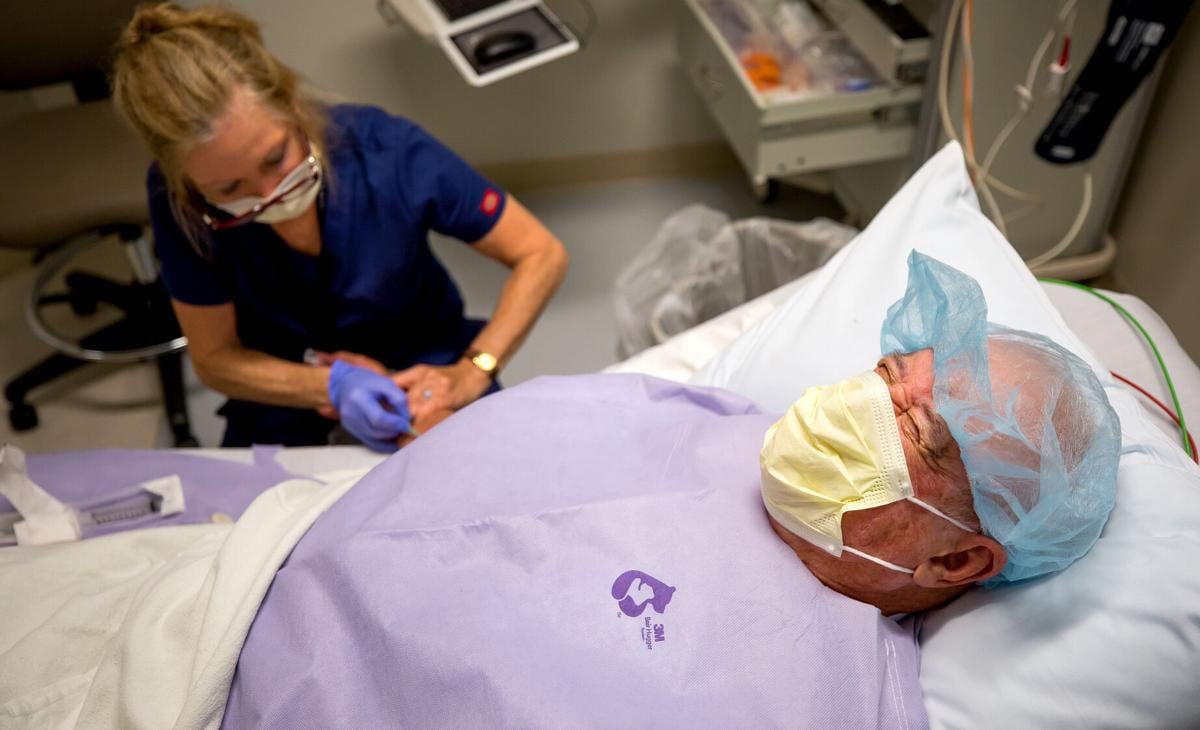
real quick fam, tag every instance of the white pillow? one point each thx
(1111, 641)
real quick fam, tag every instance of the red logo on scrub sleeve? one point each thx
(490, 202)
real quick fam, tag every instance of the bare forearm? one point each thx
(532, 282)
(253, 375)
(538, 263)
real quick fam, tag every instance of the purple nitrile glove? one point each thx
(372, 407)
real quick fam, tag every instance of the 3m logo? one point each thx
(635, 590)
(490, 202)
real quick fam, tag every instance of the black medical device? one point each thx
(1135, 36)
(488, 40)
(457, 9)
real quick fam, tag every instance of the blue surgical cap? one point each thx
(1038, 436)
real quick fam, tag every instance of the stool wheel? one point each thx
(764, 189)
(82, 305)
(23, 417)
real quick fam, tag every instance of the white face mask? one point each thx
(275, 209)
(837, 450)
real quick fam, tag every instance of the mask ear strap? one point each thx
(877, 561)
(943, 515)
(898, 568)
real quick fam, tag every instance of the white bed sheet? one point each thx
(326, 463)
(158, 614)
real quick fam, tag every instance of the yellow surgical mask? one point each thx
(836, 450)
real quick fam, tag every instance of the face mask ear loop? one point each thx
(943, 515)
(877, 561)
(893, 566)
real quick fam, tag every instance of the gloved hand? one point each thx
(373, 408)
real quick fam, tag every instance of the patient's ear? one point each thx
(975, 558)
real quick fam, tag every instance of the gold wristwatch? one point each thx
(485, 361)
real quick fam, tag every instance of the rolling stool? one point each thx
(147, 330)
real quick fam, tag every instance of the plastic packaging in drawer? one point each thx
(788, 48)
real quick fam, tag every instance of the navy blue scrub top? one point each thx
(375, 288)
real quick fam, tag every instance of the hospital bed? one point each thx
(1146, 696)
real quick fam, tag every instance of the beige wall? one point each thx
(12, 104)
(1157, 225)
(622, 93)
(1007, 35)
(619, 107)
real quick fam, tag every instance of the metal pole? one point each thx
(929, 126)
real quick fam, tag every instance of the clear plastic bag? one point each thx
(787, 47)
(700, 264)
(835, 64)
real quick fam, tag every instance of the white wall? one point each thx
(622, 93)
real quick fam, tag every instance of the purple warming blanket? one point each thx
(102, 478)
(574, 552)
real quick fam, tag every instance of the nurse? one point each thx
(293, 241)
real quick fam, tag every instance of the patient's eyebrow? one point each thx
(884, 364)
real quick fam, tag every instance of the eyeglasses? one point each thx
(312, 173)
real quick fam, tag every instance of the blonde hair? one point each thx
(174, 72)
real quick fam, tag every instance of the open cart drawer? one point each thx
(887, 36)
(777, 134)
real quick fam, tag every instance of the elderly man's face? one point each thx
(946, 559)
(933, 458)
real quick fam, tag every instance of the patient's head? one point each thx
(945, 559)
(1021, 471)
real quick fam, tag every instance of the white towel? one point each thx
(143, 628)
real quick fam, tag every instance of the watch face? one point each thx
(485, 361)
